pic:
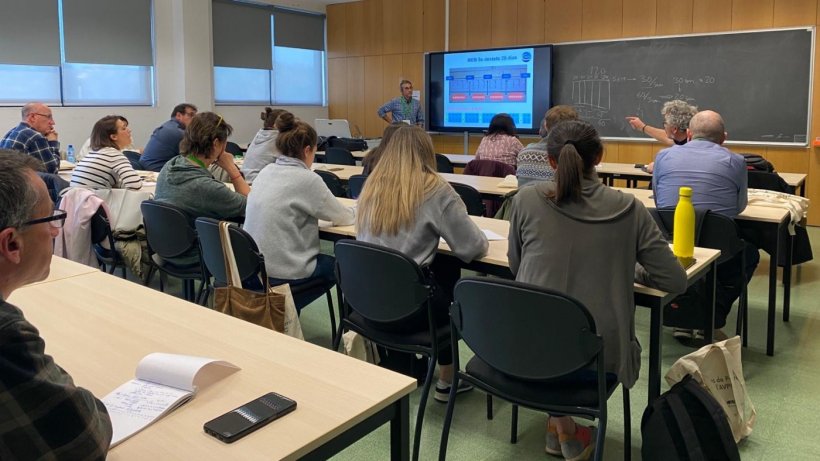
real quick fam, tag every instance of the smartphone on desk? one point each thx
(257, 413)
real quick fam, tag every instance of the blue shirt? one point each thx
(717, 177)
(163, 145)
(403, 110)
(26, 139)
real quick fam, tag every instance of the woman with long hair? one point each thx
(262, 150)
(501, 142)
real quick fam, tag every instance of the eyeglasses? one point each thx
(190, 114)
(56, 219)
(48, 116)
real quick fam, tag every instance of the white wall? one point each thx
(183, 72)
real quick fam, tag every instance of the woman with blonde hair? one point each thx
(405, 205)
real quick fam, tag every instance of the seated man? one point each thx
(43, 415)
(35, 136)
(533, 161)
(718, 180)
(164, 142)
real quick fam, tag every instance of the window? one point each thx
(78, 55)
(276, 57)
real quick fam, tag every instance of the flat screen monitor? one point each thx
(465, 89)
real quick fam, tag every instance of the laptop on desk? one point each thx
(332, 127)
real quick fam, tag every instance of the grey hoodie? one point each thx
(589, 249)
(261, 152)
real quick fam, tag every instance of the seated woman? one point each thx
(582, 238)
(405, 205)
(372, 158)
(185, 181)
(284, 209)
(262, 150)
(105, 166)
(500, 143)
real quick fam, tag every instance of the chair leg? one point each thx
(627, 425)
(448, 419)
(150, 273)
(122, 268)
(425, 390)
(514, 425)
(601, 437)
(489, 407)
(332, 311)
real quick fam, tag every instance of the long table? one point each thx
(495, 262)
(99, 326)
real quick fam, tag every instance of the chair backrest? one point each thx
(381, 284)
(101, 228)
(355, 184)
(134, 158)
(443, 164)
(768, 181)
(488, 168)
(167, 228)
(249, 260)
(333, 182)
(471, 198)
(713, 230)
(339, 156)
(558, 327)
(233, 148)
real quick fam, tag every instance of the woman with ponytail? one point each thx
(262, 150)
(284, 209)
(579, 237)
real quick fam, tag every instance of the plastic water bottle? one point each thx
(69, 153)
(683, 235)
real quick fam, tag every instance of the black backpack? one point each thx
(687, 424)
(755, 162)
(351, 144)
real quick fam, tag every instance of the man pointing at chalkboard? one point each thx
(403, 109)
(676, 116)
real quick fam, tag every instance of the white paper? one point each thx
(137, 403)
(487, 233)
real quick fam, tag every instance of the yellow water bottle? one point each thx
(683, 235)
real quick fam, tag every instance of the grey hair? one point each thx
(677, 114)
(401, 84)
(28, 108)
(18, 197)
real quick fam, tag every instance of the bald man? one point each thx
(35, 136)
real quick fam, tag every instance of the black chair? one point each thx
(471, 198)
(443, 164)
(355, 184)
(233, 149)
(504, 365)
(720, 233)
(381, 288)
(339, 156)
(250, 261)
(108, 258)
(134, 158)
(333, 182)
(171, 234)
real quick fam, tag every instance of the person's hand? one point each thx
(52, 135)
(649, 167)
(225, 161)
(636, 123)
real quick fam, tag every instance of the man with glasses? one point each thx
(35, 136)
(164, 142)
(676, 115)
(43, 415)
(403, 109)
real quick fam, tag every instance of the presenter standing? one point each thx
(403, 109)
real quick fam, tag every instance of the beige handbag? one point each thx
(718, 368)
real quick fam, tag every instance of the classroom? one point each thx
(343, 60)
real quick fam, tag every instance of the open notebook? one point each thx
(163, 382)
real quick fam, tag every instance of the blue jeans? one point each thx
(308, 289)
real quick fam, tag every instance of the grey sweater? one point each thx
(284, 208)
(261, 153)
(589, 249)
(442, 214)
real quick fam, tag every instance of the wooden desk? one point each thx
(774, 221)
(62, 268)
(98, 327)
(357, 154)
(496, 263)
(459, 160)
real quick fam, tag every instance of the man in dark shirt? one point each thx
(43, 415)
(164, 142)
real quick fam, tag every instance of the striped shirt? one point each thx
(26, 139)
(106, 168)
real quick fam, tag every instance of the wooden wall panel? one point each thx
(412, 25)
(433, 25)
(457, 38)
(788, 13)
(602, 19)
(504, 19)
(336, 29)
(635, 152)
(337, 87)
(412, 65)
(530, 24)
(674, 17)
(711, 16)
(640, 18)
(479, 24)
(563, 21)
(752, 14)
(373, 81)
(374, 28)
(392, 17)
(792, 160)
(392, 75)
(355, 93)
(355, 32)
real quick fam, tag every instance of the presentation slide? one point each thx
(466, 89)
